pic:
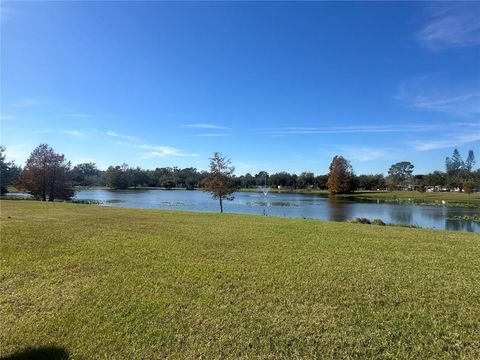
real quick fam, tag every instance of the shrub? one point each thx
(361, 221)
(421, 187)
(367, 221)
(468, 187)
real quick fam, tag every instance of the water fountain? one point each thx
(265, 189)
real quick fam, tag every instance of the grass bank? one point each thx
(96, 282)
(452, 197)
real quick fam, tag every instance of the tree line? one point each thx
(49, 176)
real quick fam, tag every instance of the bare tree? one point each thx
(220, 183)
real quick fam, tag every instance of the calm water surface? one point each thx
(289, 205)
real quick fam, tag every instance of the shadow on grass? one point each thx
(39, 353)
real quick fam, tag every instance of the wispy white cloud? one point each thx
(205, 126)
(247, 167)
(471, 125)
(76, 115)
(72, 133)
(27, 102)
(433, 94)
(210, 135)
(75, 133)
(365, 153)
(9, 128)
(178, 114)
(449, 142)
(463, 104)
(83, 160)
(279, 132)
(148, 150)
(164, 151)
(452, 26)
(6, 13)
(7, 117)
(122, 136)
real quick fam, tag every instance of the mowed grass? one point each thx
(454, 197)
(117, 283)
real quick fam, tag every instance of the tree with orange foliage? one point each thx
(47, 173)
(341, 178)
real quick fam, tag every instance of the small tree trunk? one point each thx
(221, 205)
(51, 196)
(44, 184)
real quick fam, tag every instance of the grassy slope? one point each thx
(125, 283)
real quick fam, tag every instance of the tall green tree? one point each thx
(436, 178)
(400, 173)
(321, 181)
(470, 162)
(455, 163)
(4, 169)
(9, 172)
(371, 182)
(306, 179)
(220, 182)
(86, 174)
(283, 179)
(247, 181)
(458, 171)
(119, 177)
(262, 178)
(137, 177)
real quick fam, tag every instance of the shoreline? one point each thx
(445, 199)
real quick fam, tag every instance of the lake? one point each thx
(289, 205)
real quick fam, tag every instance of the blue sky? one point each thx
(275, 86)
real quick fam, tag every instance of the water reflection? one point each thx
(290, 205)
(339, 209)
(459, 225)
(401, 216)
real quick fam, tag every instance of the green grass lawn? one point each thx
(453, 197)
(98, 282)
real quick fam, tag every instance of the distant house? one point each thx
(438, 188)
